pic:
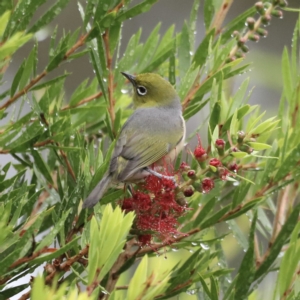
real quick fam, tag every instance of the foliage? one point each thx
(247, 170)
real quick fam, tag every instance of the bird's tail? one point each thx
(98, 192)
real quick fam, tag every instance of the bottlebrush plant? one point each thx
(236, 191)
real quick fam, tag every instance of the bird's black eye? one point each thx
(141, 90)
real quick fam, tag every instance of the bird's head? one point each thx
(151, 90)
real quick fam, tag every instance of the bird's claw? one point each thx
(161, 176)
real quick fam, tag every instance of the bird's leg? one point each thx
(130, 189)
(161, 176)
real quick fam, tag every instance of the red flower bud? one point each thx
(223, 173)
(215, 162)
(200, 152)
(233, 167)
(188, 191)
(207, 185)
(220, 144)
(191, 173)
(184, 166)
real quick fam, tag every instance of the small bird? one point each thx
(154, 133)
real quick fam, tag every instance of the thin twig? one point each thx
(280, 216)
(83, 101)
(220, 15)
(33, 81)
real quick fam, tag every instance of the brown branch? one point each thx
(83, 101)
(33, 81)
(69, 167)
(4, 151)
(280, 216)
(156, 247)
(25, 296)
(43, 143)
(122, 287)
(220, 15)
(256, 250)
(24, 90)
(24, 260)
(113, 274)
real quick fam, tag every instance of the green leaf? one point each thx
(98, 66)
(246, 271)
(13, 44)
(187, 81)
(215, 217)
(280, 240)
(107, 243)
(215, 117)
(244, 209)
(4, 18)
(28, 68)
(50, 14)
(193, 23)
(149, 48)
(56, 60)
(17, 79)
(193, 109)
(114, 37)
(24, 243)
(49, 82)
(54, 231)
(184, 48)
(205, 211)
(209, 11)
(259, 146)
(140, 276)
(24, 11)
(289, 164)
(159, 58)
(239, 114)
(135, 10)
(214, 289)
(287, 76)
(288, 267)
(202, 51)
(57, 253)
(9, 292)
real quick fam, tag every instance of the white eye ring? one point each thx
(141, 90)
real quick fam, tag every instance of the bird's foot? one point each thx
(161, 176)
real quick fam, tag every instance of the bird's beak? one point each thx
(131, 78)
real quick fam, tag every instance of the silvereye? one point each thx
(155, 132)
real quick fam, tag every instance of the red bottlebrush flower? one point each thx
(191, 173)
(233, 167)
(215, 162)
(184, 166)
(156, 208)
(127, 205)
(145, 239)
(220, 144)
(199, 152)
(223, 173)
(207, 185)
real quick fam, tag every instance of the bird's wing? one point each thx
(136, 150)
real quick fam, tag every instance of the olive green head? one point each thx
(150, 90)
